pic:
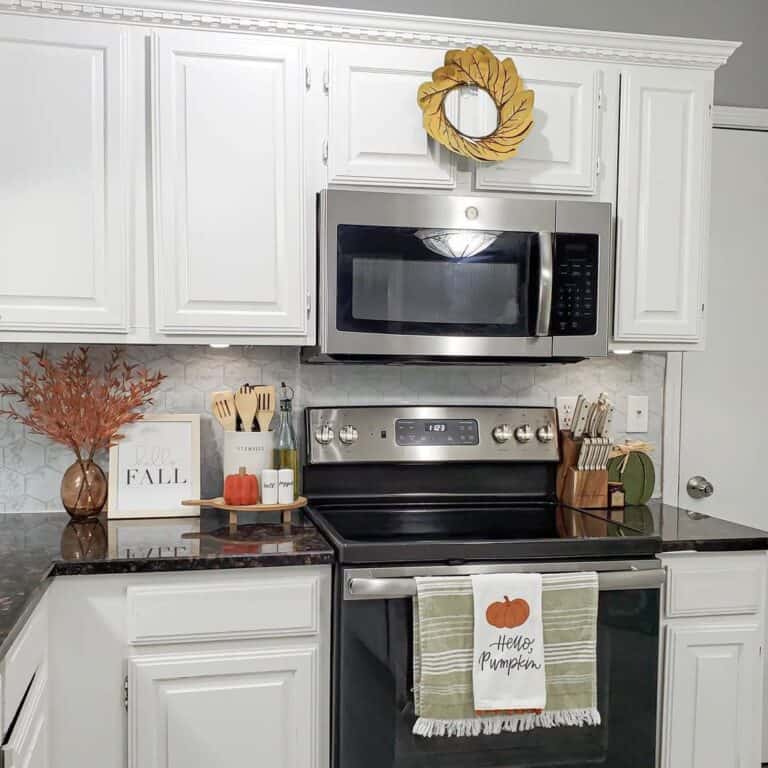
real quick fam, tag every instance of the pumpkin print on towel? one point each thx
(509, 614)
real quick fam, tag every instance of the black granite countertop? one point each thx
(37, 546)
(680, 529)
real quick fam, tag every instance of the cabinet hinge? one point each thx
(326, 81)
(325, 150)
(125, 693)
(702, 309)
(309, 303)
(308, 77)
(597, 166)
(600, 98)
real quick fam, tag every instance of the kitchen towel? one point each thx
(508, 659)
(443, 653)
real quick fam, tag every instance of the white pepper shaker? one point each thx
(285, 486)
(269, 486)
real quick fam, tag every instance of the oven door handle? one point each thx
(546, 279)
(358, 588)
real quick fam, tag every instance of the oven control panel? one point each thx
(574, 308)
(430, 433)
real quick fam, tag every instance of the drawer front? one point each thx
(222, 611)
(23, 659)
(703, 585)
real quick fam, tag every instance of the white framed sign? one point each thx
(154, 467)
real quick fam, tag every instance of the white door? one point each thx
(714, 692)
(228, 171)
(64, 263)
(560, 153)
(662, 204)
(220, 710)
(376, 134)
(723, 387)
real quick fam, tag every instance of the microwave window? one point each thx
(432, 292)
(438, 282)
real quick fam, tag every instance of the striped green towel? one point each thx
(443, 621)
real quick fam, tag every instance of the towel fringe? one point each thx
(429, 727)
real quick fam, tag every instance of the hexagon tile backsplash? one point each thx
(31, 466)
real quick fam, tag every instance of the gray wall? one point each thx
(742, 82)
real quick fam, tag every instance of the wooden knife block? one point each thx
(579, 488)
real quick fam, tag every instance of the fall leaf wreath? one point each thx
(499, 79)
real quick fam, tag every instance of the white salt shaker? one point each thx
(269, 486)
(285, 486)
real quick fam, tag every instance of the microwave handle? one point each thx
(546, 277)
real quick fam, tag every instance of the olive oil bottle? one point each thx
(286, 454)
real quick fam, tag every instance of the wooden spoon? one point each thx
(223, 407)
(246, 402)
(266, 406)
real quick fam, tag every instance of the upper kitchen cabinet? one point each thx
(561, 154)
(64, 256)
(376, 136)
(662, 205)
(230, 224)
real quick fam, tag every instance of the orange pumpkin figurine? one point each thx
(509, 614)
(241, 489)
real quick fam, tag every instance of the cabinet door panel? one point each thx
(222, 710)
(229, 238)
(560, 153)
(63, 200)
(662, 204)
(376, 131)
(28, 743)
(712, 699)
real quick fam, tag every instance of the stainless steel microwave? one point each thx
(444, 278)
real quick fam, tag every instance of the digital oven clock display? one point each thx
(420, 432)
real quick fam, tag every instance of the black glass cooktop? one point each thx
(440, 532)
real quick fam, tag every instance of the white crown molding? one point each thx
(746, 118)
(256, 16)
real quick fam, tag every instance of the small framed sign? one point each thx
(154, 467)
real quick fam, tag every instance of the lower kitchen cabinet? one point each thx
(209, 669)
(713, 661)
(223, 709)
(27, 745)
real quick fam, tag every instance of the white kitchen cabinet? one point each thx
(376, 135)
(662, 205)
(230, 234)
(713, 696)
(223, 709)
(561, 153)
(27, 745)
(64, 255)
(713, 636)
(223, 668)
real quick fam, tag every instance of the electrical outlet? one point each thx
(637, 413)
(565, 408)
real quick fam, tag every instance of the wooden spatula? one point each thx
(223, 407)
(266, 406)
(246, 402)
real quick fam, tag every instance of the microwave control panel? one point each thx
(574, 300)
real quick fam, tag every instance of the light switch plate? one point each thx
(637, 413)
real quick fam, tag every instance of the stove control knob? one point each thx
(348, 435)
(523, 434)
(545, 434)
(324, 434)
(502, 433)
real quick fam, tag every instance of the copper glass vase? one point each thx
(84, 490)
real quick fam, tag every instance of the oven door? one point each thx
(373, 702)
(435, 275)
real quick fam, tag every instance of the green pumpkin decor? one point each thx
(634, 469)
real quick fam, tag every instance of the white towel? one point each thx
(508, 666)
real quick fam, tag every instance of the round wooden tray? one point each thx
(233, 509)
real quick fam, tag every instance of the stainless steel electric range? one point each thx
(403, 491)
